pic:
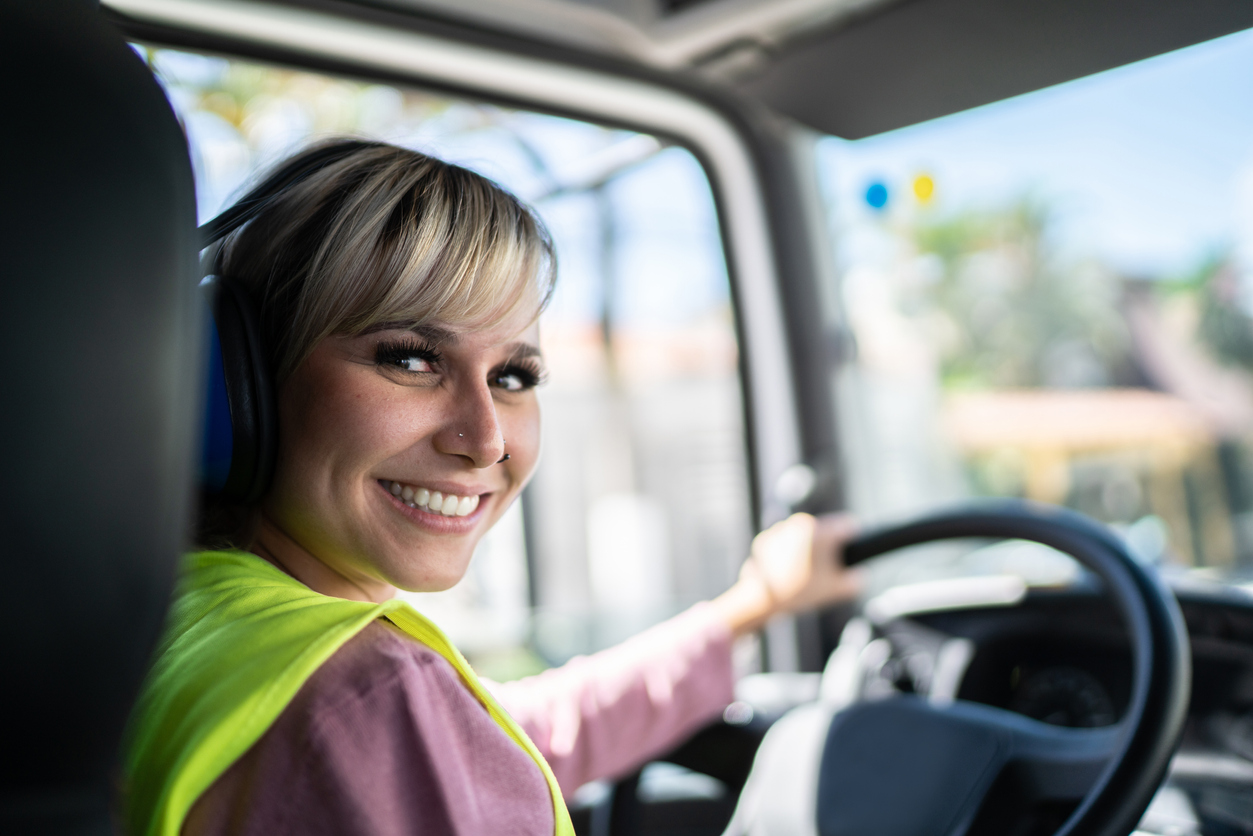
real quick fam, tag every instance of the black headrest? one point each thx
(100, 331)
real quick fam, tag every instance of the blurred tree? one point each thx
(1224, 326)
(1011, 312)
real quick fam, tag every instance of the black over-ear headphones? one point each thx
(240, 437)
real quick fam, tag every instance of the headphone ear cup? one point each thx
(241, 423)
(218, 438)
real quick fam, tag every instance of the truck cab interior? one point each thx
(890, 256)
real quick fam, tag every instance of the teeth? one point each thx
(436, 502)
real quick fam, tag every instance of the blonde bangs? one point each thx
(392, 237)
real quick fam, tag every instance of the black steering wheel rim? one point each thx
(1160, 653)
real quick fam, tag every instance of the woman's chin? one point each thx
(431, 576)
(434, 586)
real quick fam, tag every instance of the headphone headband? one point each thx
(282, 179)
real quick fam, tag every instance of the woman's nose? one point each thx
(472, 428)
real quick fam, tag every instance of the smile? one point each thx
(431, 501)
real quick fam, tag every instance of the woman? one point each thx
(399, 296)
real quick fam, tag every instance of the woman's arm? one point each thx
(603, 715)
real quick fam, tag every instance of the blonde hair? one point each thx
(385, 236)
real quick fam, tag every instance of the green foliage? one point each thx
(243, 95)
(1211, 292)
(1016, 315)
(1224, 326)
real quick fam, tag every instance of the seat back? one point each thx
(100, 335)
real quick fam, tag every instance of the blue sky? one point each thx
(1149, 166)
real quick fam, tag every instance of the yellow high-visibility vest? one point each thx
(240, 640)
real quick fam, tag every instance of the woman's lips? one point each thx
(439, 521)
(437, 502)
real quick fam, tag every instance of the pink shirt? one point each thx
(601, 716)
(384, 738)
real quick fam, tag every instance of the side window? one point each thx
(1053, 299)
(643, 429)
(640, 505)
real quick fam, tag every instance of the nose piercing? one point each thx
(504, 458)
(459, 435)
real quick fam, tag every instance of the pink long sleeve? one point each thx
(601, 715)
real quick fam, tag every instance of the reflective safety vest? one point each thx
(240, 640)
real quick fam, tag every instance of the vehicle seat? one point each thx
(99, 387)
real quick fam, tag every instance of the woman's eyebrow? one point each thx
(434, 334)
(428, 332)
(521, 351)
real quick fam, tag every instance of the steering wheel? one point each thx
(903, 766)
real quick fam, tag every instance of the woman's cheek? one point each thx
(522, 440)
(376, 417)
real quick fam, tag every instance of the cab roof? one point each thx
(856, 67)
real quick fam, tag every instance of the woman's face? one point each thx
(376, 429)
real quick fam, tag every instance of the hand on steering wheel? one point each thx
(794, 565)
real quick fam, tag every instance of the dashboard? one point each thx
(1061, 656)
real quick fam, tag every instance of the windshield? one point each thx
(1051, 297)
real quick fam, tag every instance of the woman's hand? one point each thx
(794, 565)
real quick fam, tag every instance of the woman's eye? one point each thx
(414, 363)
(517, 378)
(407, 357)
(510, 382)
